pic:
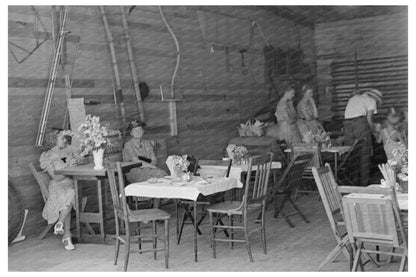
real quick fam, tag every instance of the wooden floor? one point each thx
(289, 249)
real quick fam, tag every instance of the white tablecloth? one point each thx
(235, 170)
(164, 188)
(401, 198)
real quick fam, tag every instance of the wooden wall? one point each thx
(381, 45)
(214, 100)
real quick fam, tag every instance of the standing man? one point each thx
(358, 124)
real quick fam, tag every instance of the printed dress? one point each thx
(286, 123)
(144, 148)
(306, 111)
(390, 145)
(61, 189)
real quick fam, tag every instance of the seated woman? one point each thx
(286, 118)
(61, 188)
(307, 114)
(139, 149)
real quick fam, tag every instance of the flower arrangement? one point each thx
(239, 151)
(181, 162)
(400, 162)
(93, 135)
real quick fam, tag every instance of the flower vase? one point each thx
(186, 177)
(98, 158)
(176, 174)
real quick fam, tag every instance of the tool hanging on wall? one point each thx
(172, 101)
(51, 82)
(244, 69)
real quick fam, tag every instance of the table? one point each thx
(164, 188)
(336, 150)
(87, 173)
(402, 198)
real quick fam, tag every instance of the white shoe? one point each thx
(68, 244)
(59, 228)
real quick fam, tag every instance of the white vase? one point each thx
(98, 158)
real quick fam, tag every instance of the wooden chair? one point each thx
(202, 201)
(316, 161)
(288, 183)
(125, 215)
(254, 198)
(348, 162)
(331, 199)
(43, 179)
(374, 220)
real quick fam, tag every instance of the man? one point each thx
(359, 124)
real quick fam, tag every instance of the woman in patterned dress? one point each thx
(308, 113)
(286, 118)
(61, 198)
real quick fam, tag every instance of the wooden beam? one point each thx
(290, 15)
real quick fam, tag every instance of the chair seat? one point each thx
(226, 207)
(148, 215)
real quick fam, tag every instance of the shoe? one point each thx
(68, 244)
(59, 228)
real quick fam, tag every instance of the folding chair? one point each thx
(331, 199)
(374, 220)
(288, 182)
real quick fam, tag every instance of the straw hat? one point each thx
(376, 94)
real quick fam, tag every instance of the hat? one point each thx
(134, 124)
(376, 94)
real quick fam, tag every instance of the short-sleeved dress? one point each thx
(306, 118)
(62, 192)
(390, 145)
(135, 148)
(287, 128)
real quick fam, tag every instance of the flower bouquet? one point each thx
(178, 165)
(400, 163)
(96, 138)
(239, 152)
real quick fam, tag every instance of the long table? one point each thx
(166, 188)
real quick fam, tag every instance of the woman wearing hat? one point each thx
(358, 124)
(139, 149)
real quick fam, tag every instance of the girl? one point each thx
(392, 138)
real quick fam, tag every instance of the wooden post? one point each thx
(132, 65)
(65, 125)
(118, 95)
(356, 69)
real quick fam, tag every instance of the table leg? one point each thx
(100, 209)
(77, 211)
(195, 234)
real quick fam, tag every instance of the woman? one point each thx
(61, 188)
(286, 118)
(139, 149)
(308, 114)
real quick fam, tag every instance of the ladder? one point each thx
(51, 82)
(116, 63)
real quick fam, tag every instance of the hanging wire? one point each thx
(37, 21)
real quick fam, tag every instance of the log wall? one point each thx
(381, 46)
(215, 99)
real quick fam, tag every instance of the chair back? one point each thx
(258, 175)
(116, 180)
(352, 155)
(331, 198)
(43, 179)
(292, 176)
(223, 169)
(370, 219)
(307, 148)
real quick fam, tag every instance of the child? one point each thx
(391, 136)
